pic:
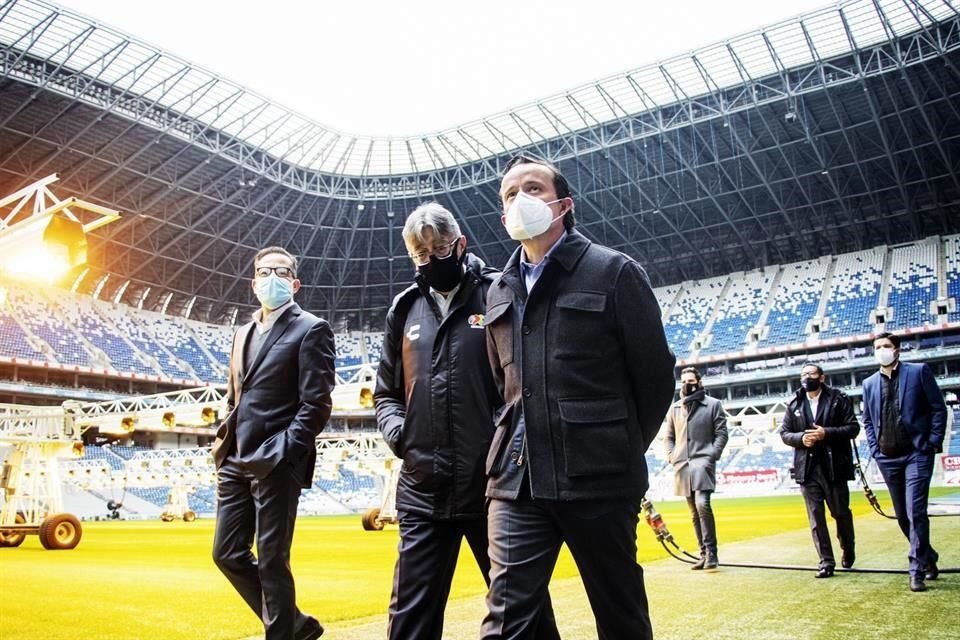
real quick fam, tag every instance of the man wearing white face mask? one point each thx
(905, 420)
(278, 396)
(577, 347)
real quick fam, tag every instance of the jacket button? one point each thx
(525, 330)
(527, 392)
(514, 456)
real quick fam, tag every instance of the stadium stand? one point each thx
(80, 313)
(854, 293)
(740, 309)
(691, 312)
(174, 335)
(374, 346)
(779, 302)
(350, 348)
(14, 342)
(951, 249)
(217, 339)
(137, 334)
(42, 320)
(912, 285)
(795, 302)
(666, 296)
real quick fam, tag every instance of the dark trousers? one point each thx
(525, 539)
(817, 490)
(421, 580)
(908, 479)
(704, 525)
(268, 508)
(424, 571)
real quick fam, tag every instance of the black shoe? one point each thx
(932, 572)
(698, 565)
(917, 584)
(311, 630)
(711, 563)
(825, 572)
(848, 558)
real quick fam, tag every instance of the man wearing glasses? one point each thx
(278, 396)
(819, 424)
(436, 402)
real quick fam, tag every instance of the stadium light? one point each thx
(49, 242)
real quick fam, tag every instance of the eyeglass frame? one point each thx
(433, 252)
(274, 270)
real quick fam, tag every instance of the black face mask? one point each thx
(691, 388)
(810, 384)
(443, 274)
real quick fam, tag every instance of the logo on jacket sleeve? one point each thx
(475, 321)
(413, 333)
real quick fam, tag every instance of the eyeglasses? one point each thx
(421, 258)
(283, 272)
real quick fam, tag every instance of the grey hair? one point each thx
(433, 216)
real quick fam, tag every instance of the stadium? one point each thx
(791, 192)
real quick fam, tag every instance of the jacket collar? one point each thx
(567, 254)
(284, 321)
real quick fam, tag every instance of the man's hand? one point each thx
(810, 437)
(819, 431)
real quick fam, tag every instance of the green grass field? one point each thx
(147, 580)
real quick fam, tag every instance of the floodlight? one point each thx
(52, 240)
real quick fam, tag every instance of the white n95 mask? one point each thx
(527, 217)
(885, 357)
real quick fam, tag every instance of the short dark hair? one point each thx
(560, 184)
(810, 363)
(889, 336)
(692, 370)
(267, 251)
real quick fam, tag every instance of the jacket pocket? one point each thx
(583, 301)
(498, 322)
(595, 438)
(495, 454)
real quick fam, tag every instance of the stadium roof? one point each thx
(772, 146)
(114, 58)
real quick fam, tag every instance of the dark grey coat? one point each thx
(694, 436)
(586, 361)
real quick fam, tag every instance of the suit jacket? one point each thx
(585, 359)
(922, 410)
(694, 440)
(279, 402)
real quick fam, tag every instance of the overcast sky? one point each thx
(403, 68)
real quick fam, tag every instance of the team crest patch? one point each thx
(475, 321)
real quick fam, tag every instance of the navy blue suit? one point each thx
(924, 416)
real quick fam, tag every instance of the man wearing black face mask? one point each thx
(695, 433)
(436, 401)
(819, 424)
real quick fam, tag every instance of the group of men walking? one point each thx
(522, 403)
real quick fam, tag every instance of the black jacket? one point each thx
(835, 414)
(586, 361)
(436, 398)
(280, 402)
